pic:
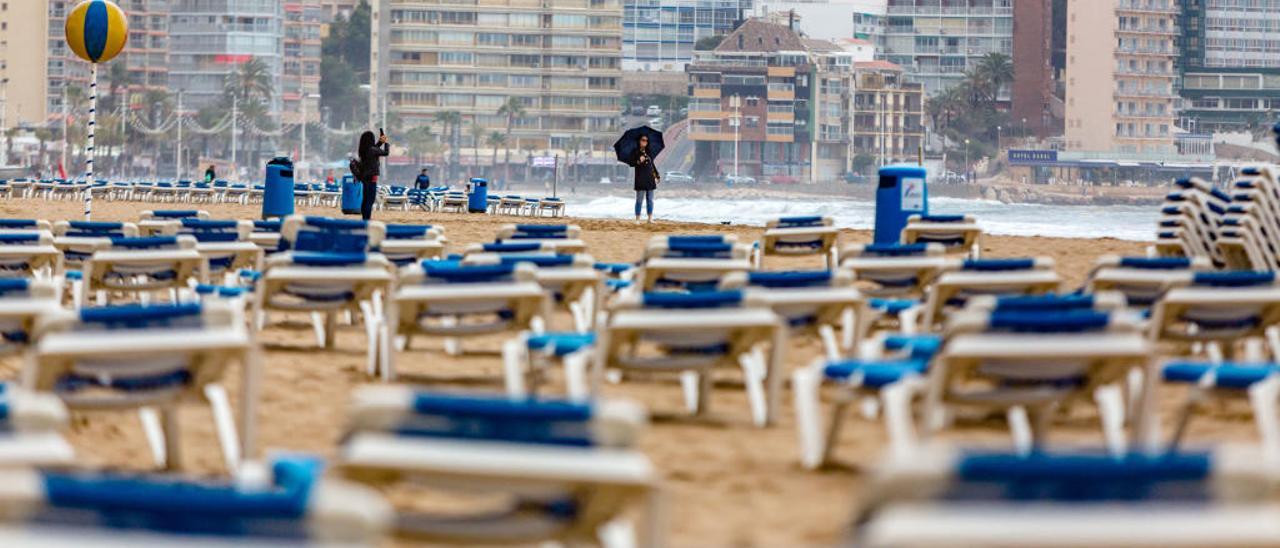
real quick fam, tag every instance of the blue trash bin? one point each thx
(901, 194)
(478, 200)
(277, 194)
(352, 192)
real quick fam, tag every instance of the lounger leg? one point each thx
(848, 329)
(575, 375)
(828, 335)
(897, 414)
(452, 345)
(172, 447)
(1110, 401)
(1020, 429)
(224, 423)
(618, 533)
(330, 330)
(371, 325)
(1134, 383)
(579, 320)
(805, 385)
(751, 376)
(514, 357)
(833, 431)
(317, 324)
(155, 434)
(1263, 396)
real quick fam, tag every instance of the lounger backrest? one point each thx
(539, 260)
(698, 300)
(153, 243)
(25, 238)
(511, 247)
(206, 231)
(1234, 279)
(410, 232)
(796, 279)
(323, 234)
(800, 222)
(454, 272)
(94, 229)
(25, 224)
(539, 232)
(173, 214)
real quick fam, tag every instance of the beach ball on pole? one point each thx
(96, 31)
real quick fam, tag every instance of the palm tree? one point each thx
(994, 70)
(251, 80)
(529, 149)
(419, 140)
(574, 145)
(477, 138)
(513, 110)
(451, 120)
(495, 140)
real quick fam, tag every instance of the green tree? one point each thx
(512, 110)
(495, 140)
(252, 80)
(451, 121)
(419, 141)
(708, 43)
(477, 133)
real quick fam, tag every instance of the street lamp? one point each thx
(999, 131)
(1024, 128)
(966, 160)
(735, 103)
(302, 160)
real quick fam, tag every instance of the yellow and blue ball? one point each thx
(97, 30)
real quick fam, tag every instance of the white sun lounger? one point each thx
(813, 302)
(961, 279)
(148, 357)
(25, 254)
(158, 221)
(290, 504)
(1143, 280)
(140, 266)
(31, 423)
(569, 470)
(407, 244)
(225, 245)
(1219, 309)
(895, 277)
(945, 497)
(455, 301)
(691, 262)
(561, 238)
(77, 240)
(695, 334)
(23, 301)
(956, 233)
(792, 236)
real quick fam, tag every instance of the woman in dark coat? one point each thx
(647, 177)
(370, 152)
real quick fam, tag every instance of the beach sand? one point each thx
(726, 481)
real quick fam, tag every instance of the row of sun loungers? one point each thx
(1235, 228)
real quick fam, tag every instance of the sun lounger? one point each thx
(225, 245)
(452, 300)
(27, 254)
(570, 280)
(22, 302)
(895, 277)
(691, 262)
(31, 423)
(455, 202)
(813, 302)
(947, 497)
(695, 334)
(152, 222)
(1219, 310)
(142, 266)
(527, 358)
(148, 357)
(962, 279)
(291, 504)
(550, 207)
(407, 244)
(569, 471)
(1143, 280)
(266, 234)
(559, 237)
(957, 233)
(791, 236)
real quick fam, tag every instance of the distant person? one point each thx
(423, 181)
(371, 152)
(646, 179)
(210, 174)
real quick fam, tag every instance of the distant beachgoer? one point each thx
(424, 181)
(210, 174)
(371, 151)
(646, 178)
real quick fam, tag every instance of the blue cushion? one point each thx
(1045, 303)
(617, 285)
(1094, 469)
(705, 299)
(876, 373)
(335, 224)
(614, 268)
(1227, 375)
(798, 278)
(892, 306)
(499, 419)
(137, 315)
(219, 290)
(1239, 278)
(315, 258)
(919, 346)
(148, 242)
(542, 229)
(1156, 263)
(541, 261)
(894, 250)
(452, 272)
(406, 232)
(942, 218)
(95, 226)
(12, 286)
(799, 222)
(511, 247)
(697, 249)
(998, 265)
(17, 223)
(202, 224)
(1050, 321)
(696, 239)
(174, 213)
(561, 344)
(18, 238)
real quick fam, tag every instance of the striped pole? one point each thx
(93, 123)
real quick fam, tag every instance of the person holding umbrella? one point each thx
(637, 148)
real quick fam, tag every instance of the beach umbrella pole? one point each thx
(93, 125)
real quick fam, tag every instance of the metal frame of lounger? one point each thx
(1218, 310)
(152, 357)
(140, 266)
(573, 471)
(696, 334)
(1143, 280)
(573, 282)
(403, 248)
(894, 276)
(961, 279)
(812, 302)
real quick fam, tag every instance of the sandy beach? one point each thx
(727, 482)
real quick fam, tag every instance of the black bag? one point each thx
(357, 170)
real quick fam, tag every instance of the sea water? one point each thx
(1123, 222)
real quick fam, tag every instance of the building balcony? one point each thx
(1146, 74)
(781, 72)
(1151, 31)
(1163, 52)
(1150, 93)
(706, 92)
(950, 11)
(1146, 6)
(1144, 116)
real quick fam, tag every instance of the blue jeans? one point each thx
(644, 197)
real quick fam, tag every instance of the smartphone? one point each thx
(380, 133)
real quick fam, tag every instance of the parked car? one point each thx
(655, 123)
(637, 110)
(739, 180)
(653, 110)
(783, 180)
(606, 181)
(677, 177)
(855, 178)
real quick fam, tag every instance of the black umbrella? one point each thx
(627, 145)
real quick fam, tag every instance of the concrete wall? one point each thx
(1091, 43)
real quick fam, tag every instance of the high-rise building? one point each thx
(768, 102)
(829, 19)
(661, 34)
(1121, 68)
(936, 41)
(23, 67)
(216, 37)
(332, 9)
(145, 56)
(1230, 64)
(301, 79)
(1032, 95)
(561, 59)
